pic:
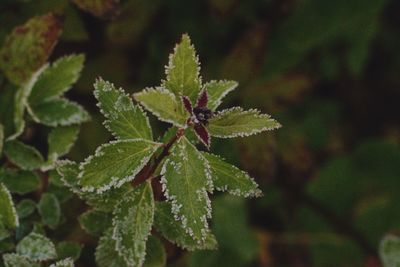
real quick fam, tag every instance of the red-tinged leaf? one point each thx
(28, 47)
(187, 104)
(203, 99)
(202, 134)
(99, 8)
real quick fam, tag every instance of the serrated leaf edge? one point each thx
(9, 198)
(218, 101)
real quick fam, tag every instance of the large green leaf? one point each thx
(106, 254)
(24, 156)
(236, 122)
(227, 177)
(155, 253)
(389, 251)
(217, 90)
(183, 70)
(8, 214)
(15, 260)
(27, 48)
(186, 178)
(49, 210)
(58, 112)
(37, 247)
(56, 79)
(164, 105)
(20, 181)
(133, 218)
(60, 141)
(115, 163)
(124, 119)
(172, 230)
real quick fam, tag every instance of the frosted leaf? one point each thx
(24, 156)
(15, 260)
(106, 254)
(217, 90)
(37, 247)
(8, 214)
(63, 263)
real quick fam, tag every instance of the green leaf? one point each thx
(172, 230)
(124, 119)
(49, 210)
(155, 253)
(115, 163)
(22, 155)
(100, 8)
(20, 182)
(183, 70)
(37, 247)
(217, 90)
(186, 178)
(27, 48)
(25, 208)
(56, 79)
(227, 177)
(1, 138)
(389, 251)
(15, 260)
(236, 122)
(68, 249)
(58, 112)
(106, 254)
(60, 141)
(133, 218)
(95, 222)
(63, 263)
(106, 201)
(8, 214)
(164, 105)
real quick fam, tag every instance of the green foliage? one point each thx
(12, 260)
(60, 140)
(95, 222)
(37, 247)
(25, 208)
(24, 156)
(389, 250)
(217, 90)
(156, 255)
(49, 209)
(68, 249)
(8, 214)
(19, 181)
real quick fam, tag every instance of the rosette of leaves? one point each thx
(122, 180)
(30, 193)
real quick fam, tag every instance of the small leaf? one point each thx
(58, 112)
(22, 155)
(227, 177)
(56, 79)
(68, 249)
(115, 164)
(20, 182)
(99, 8)
(106, 254)
(389, 251)
(49, 210)
(8, 214)
(60, 141)
(27, 48)
(155, 253)
(133, 218)
(163, 104)
(187, 104)
(217, 90)
(185, 179)
(25, 208)
(202, 101)
(124, 119)
(236, 122)
(95, 222)
(183, 70)
(37, 247)
(202, 133)
(15, 260)
(63, 263)
(172, 230)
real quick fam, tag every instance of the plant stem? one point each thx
(148, 170)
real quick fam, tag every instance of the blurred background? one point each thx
(328, 71)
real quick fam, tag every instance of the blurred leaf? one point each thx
(20, 182)
(24, 156)
(27, 48)
(56, 79)
(389, 251)
(37, 247)
(74, 29)
(15, 260)
(25, 208)
(95, 222)
(63, 263)
(49, 210)
(106, 254)
(99, 8)
(68, 249)
(61, 139)
(155, 253)
(133, 218)
(124, 119)
(8, 214)
(115, 163)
